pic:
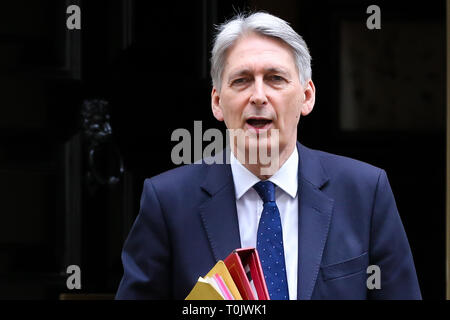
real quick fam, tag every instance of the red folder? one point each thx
(236, 263)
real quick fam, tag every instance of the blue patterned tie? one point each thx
(270, 243)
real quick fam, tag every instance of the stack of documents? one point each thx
(238, 277)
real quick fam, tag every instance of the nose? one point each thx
(258, 97)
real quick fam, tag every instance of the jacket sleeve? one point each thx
(146, 252)
(389, 248)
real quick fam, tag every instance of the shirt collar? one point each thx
(285, 177)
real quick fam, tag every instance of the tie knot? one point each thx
(266, 190)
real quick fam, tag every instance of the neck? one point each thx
(258, 169)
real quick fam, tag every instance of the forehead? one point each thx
(255, 51)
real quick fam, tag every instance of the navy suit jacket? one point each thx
(348, 220)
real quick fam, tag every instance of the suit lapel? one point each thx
(218, 212)
(315, 211)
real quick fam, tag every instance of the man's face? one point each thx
(261, 90)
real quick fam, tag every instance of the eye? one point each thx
(239, 81)
(276, 78)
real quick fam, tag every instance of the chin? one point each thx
(261, 147)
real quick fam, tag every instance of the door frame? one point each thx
(448, 152)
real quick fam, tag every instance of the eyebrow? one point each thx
(246, 72)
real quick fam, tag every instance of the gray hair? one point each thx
(264, 24)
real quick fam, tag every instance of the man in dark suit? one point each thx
(318, 220)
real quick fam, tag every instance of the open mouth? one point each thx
(259, 123)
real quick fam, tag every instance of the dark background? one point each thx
(149, 60)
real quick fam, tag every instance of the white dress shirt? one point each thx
(249, 208)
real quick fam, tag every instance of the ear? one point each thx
(215, 105)
(309, 98)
